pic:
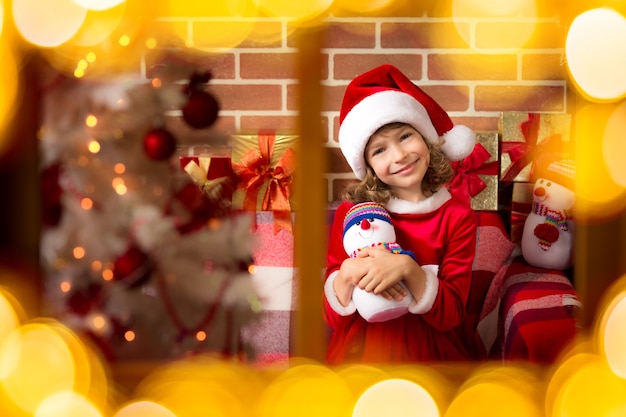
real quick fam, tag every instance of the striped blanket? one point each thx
(529, 313)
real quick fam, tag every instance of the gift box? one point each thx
(527, 138)
(476, 177)
(264, 164)
(274, 280)
(521, 205)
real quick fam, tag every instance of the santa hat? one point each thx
(562, 172)
(361, 211)
(384, 95)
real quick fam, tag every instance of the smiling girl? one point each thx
(400, 143)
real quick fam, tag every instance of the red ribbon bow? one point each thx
(255, 170)
(523, 153)
(466, 182)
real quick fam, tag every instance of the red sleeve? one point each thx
(335, 256)
(455, 270)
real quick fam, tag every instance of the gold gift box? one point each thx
(521, 205)
(487, 199)
(264, 164)
(531, 136)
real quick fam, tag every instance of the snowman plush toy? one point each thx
(368, 224)
(548, 236)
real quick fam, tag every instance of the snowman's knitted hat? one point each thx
(385, 95)
(562, 172)
(367, 210)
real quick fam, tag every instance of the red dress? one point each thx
(442, 233)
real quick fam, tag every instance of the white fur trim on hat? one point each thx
(373, 112)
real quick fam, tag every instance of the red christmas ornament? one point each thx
(202, 108)
(133, 267)
(159, 144)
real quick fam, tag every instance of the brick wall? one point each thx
(472, 67)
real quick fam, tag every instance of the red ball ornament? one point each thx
(201, 109)
(133, 267)
(159, 144)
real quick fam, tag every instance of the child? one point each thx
(399, 142)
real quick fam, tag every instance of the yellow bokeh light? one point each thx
(145, 409)
(91, 121)
(78, 252)
(218, 25)
(119, 168)
(124, 40)
(515, 38)
(598, 196)
(65, 286)
(9, 319)
(32, 20)
(107, 274)
(395, 397)
(307, 390)
(22, 357)
(295, 10)
(9, 91)
(508, 390)
(614, 145)
(610, 335)
(98, 4)
(98, 26)
(596, 58)
(93, 146)
(591, 390)
(86, 203)
(360, 6)
(67, 404)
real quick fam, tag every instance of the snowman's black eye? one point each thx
(357, 223)
(371, 219)
(548, 184)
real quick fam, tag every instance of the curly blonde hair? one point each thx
(371, 188)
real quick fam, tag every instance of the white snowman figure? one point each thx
(369, 225)
(548, 236)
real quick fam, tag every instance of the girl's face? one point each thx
(399, 157)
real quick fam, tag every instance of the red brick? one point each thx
(472, 67)
(348, 66)
(478, 124)
(346, 35)
(177, 66)
(544, 67)
(424, 35)
(249, 96)
(269, 122)
(264, 35)
(331, 97)
(451, 98)
(519, 98)
(268, 66)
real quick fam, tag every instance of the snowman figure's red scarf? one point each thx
(557, 218)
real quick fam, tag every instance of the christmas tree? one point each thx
(136, 255)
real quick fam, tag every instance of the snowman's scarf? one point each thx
(557, 218)
(393, 247)
(547, 232)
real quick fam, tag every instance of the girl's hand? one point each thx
(385, 271)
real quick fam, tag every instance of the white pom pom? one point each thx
(459, 142)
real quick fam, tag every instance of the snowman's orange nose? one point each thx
(540, 192)
(365, 225)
